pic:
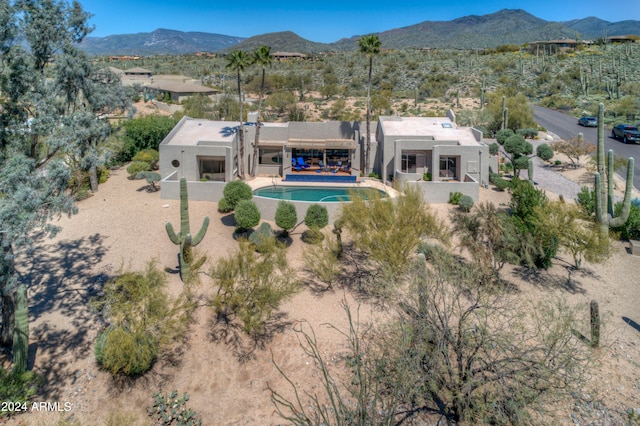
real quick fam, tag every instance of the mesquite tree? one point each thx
(38, 114)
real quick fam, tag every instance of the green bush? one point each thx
(528, 133)
(465, 203)
(247, 214)
(286, 217)
(236, 191)
(148, 155)
(263, 238)
(144, 132)
(224, 206)
(631, 228)
(143, 318)
(374, 175)
(427, 177)
(17, 388)
(500, 183)
(544, 151)
(316, 218)
(136, 167)
(454, 198)
(587, 200)
(124, 352)
(494, 148)
(503, 135)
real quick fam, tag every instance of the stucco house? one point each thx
(409, 150)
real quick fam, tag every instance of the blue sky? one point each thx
(324, 20)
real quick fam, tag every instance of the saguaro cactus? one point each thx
(184, 238)
(530, 170)
(604, 193)
(21, 331)
(595, 323)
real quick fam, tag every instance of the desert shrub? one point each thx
(316, 218)
(401, 223)
(152, 179)
(528, 133)
(494, 148)
(631, 228)
(263, 238)
(143, 318)
(503, 135)
(544, 151)
(250, 286)
(587, 200)
(454, 198)
(465, 203)
(246, 214)
(136, 167)
(125, 352)
(149, 155)
(323, 262)
(236, 191)
(374, 175)
(286, 217)
(500, 183)
(539, 243)
(224, 206)
(169, 409)
(427, 177)
(17, 388)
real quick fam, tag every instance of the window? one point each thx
(270, 156)
(448, 168)
(211, 168)
(409, 162)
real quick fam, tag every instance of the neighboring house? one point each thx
(177, 90)
(137, 73)
(562, 44)
(403, 149)
(286, 56)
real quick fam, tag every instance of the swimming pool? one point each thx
(315, 194)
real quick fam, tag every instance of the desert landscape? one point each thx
(122, 226)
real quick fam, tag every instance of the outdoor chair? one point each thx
(302, 163)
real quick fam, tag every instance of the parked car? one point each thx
(626, 132)
(588, 121)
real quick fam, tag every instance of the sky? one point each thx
(324, 21)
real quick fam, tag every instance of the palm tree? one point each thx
(370, 46)
(262, 57)
(237, 61)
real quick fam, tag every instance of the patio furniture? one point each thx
(302, 163)
(295, 166)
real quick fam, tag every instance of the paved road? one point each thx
(566, 127)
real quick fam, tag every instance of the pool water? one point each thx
(317, 194)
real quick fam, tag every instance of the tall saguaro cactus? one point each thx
(184, 238)
(21, 331)
(604, 193)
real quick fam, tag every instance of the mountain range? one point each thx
(507, 26)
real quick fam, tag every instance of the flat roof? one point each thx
(194, 131)
(438, 128)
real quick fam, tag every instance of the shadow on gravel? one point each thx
(549, 280)
(62, 280)
(632, 323)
